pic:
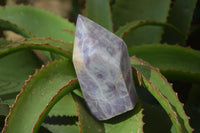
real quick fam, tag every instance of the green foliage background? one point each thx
(38, 95)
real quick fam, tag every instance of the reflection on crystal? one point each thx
(103, 69)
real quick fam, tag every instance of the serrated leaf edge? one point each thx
(46, 38)
(157, 70)
(176, 46)
(71, 82)
(172, 113)
(21, 92)
(24, 32)
(79, 116)
(46, 46)
(23, 89)
(142, 23)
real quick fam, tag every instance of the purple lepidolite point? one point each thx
(103, 69)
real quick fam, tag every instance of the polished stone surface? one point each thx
(103, 69)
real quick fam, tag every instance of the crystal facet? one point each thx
(103, 69)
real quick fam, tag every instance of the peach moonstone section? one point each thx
(103, 69)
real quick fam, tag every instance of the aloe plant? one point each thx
(34, 92)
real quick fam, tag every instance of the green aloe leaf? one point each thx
(60, 109)
(6, 25)
(72, 84)
(127, 122)
(131, 122)
(15, 69)
(128, 28)
(48, 40)
(39, 22)
(180, 16)
(68, 47)
(94, 12)
(158, 86)
(61, 128)
(175, 62)
(132, 10)
(41, 44)
(38, 96)
(11, 85)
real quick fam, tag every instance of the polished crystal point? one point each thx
(103, 69)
